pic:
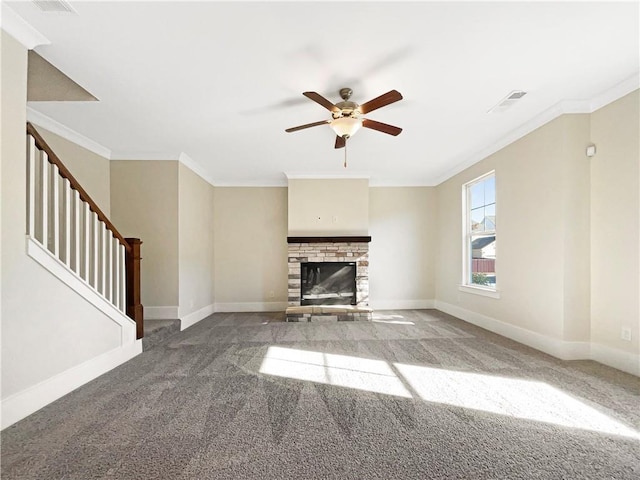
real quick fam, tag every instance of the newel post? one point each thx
(134, 306)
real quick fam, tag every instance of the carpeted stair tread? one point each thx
(157, 332)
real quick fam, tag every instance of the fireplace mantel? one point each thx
(350, 239)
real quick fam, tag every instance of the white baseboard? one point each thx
(251, 307)
(401, 304)
(194, 317)
(625, 361)
(557, 348)
(161, 313)
(612, 357)
(24, 403)
(576, 350)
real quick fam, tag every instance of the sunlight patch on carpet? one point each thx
(390, 318)
(526, 399)
(395, 322)
(328, 368)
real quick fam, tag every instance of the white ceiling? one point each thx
(220, 81)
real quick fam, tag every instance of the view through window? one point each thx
(480, 232)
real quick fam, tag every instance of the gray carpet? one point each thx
(413, 394)
(157, 332)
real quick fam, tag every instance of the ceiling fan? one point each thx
(346, 116)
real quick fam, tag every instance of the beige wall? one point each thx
(144, 204)
(195, 255)
(46, 327)
(250, 241)
(402, 224)
(576, 226)
(328, 207)
(90, 169)
(251, 250)
(568, 237)
(615, 229)
(534, 216)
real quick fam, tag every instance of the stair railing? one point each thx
(65, 220)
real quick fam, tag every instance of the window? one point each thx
(479, 269)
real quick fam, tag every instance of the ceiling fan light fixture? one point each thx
(346, 126)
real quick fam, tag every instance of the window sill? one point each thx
(485, 292)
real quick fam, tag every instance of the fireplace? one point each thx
(328, 283)
(328, 279)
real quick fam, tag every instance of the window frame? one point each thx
(467, 236)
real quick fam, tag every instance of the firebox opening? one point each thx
(328, 283)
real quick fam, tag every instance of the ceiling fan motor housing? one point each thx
(347, 109)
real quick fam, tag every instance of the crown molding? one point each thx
(564, 107)
(614, 93)
(196, 168)
(326, 176)
(516, 134)
(404, 183)
(145, 156)
(18, 28)
(182, 158)
(48, 123)
(252, 184)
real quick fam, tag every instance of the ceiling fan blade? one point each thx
(316, 97)
(381, 101)
(381, 127)
(341, 142)
(308, 125)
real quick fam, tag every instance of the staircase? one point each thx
(69, 235)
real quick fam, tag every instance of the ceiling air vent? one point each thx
(54, 6)
(507, 101)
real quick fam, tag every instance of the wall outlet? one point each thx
(271, 294)
(625, 334)
(334, 219)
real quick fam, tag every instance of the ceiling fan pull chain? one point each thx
(345, 153)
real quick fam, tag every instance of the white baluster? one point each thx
(55, 179)
(115, 271)
(112, 265)
(87, 243)
(123, 278)
(105, 260)
(66, 189)
(76, 232)
(44, 198)
(31, 165)
(96, 249)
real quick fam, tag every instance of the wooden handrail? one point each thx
(65, 173)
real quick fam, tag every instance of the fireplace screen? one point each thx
(328, 283)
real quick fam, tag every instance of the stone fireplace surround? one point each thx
(328, 249)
